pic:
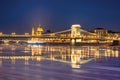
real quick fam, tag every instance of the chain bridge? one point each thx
(73, 35)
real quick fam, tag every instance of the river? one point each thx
(59, 62)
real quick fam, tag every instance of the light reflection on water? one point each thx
(43, 62)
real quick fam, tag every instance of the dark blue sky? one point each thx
(20, 15)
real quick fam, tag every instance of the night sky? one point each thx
(20, 15)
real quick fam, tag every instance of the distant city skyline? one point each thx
(55, 15)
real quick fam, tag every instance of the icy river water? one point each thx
(59, 62)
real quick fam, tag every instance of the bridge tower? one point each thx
(75, 33)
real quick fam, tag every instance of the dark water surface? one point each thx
(47, 62)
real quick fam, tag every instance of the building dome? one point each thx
(39, 29)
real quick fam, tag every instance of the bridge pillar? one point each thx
(75, 31)
(75, 34)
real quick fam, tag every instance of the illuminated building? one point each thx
(39, 30)
(36, 32)
(13, 33)
(100, 32)
(1, 33)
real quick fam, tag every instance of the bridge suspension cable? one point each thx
(63, 31)
(59, 32)
(88, 32)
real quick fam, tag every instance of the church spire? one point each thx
(33, 31)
